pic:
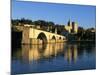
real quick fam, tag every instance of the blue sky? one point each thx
(58, 13)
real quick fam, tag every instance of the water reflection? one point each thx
(35, 52)
(71, 53)
(61, 54)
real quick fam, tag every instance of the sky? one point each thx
(84, 15)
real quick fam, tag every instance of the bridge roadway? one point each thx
(31, 35)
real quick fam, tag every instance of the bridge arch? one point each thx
(60, 38)
(42, 37)
(53, 38)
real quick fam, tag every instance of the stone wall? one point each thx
(29, 36)
(25, 36)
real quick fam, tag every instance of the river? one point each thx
(53, 57)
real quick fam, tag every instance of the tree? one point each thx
(26, 21)
(50, 23)
(40, 22)
(22, 21)
(90, 34)
(14, 22)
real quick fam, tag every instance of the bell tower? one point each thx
(69, 23)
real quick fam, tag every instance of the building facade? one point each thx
(72, 27)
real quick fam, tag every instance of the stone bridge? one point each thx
(32, 35)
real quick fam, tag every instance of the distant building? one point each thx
(72, 27)
(93, 30)
(28, 25)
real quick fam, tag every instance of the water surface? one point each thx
(53, 57)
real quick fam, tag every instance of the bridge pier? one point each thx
(38, 41)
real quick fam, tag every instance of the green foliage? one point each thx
(22, 21)
(86, 34)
